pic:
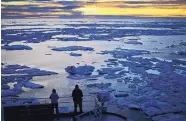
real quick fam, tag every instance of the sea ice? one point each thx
(11, 92)
(181, 52)
(80, 70)
(5, 87)
(100, 85)
(73, 48)
(19, 101)
(121, 94)
(109, 70)
(113, 76)
(16, 47)
(32, 85)
(183, 43)
(170, 117)
(21, 75)
(134, 42)
(125, 103)
(87, 77)
(75, 54)
(124, 53)
(151, 111)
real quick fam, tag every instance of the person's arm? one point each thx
(73, 93)
(50, 96)
(81, 93)
(57, 96)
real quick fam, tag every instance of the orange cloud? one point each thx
(50, 5)
(20, 3)
(45, 13)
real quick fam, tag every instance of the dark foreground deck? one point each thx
(43, 112)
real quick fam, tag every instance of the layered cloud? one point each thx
(59, 8)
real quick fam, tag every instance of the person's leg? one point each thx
(80, 107)
(53, 108)
(53, 115)
(75, 107)
(57, 110)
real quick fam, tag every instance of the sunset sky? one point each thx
(81, 8)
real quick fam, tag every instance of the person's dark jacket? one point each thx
(77, 95)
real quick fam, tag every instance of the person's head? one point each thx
(53, 91)
(76, 87)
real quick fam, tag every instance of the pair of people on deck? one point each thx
(77, 95)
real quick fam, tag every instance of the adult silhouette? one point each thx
(77, 95)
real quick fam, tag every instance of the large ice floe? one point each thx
(16, 47)
(73, 48)
(21, 76)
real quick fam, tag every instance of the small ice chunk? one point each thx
(151, 71)
(134, 42)
(75, 54)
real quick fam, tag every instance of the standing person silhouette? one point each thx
(77, 98)
(54, 101)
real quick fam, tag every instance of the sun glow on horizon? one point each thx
(141, 8)
(96, 9)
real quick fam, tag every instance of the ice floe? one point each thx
(121, 94)
(134, 42)
(100, 85)
(73, 48)
(32, 85)
(124, 53)
(75, 54)
(170, 117)
(22, 76)
(181, 52)
(16, 47)
(80, 70)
